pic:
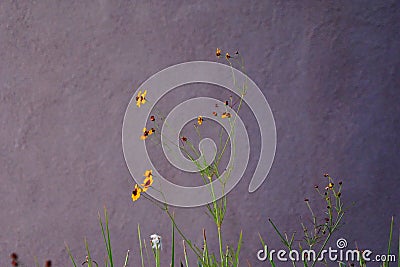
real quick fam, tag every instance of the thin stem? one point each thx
(220, 244)
(327, 238)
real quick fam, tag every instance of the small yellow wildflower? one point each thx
(226, 115)
(148, 174)
(227, 56)
(146, 133)
(218, 52)
(148, 181)
(200, 120)
(136, 193)
(141, 98)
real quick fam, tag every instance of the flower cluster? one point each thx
(146, 133)
(138, 189)
(199, 120)
(218, 53)
(225, 115)
(141, 98)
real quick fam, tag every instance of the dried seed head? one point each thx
(218, 52)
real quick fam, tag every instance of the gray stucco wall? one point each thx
(329, 69)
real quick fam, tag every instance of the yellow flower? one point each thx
(218, 52)
(136, 193)
(148, 181)
(200, 120)
(145, 134)
(141, 98)
(148, 174)
(226, 115)
(227, 56)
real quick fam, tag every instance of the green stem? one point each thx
(327, 238)
(157, 257)
(140, 245)
(220, 244)
(182, 235)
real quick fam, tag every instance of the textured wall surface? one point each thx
(329, 69)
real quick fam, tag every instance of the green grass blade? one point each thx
(239, 246)
(147, 252)
(173, 246)
(109, 239)
(398, 255)
(106, 238)
(185, 253)
(89, 258)
(70, 255)
(103, 232)
(140, 245)
(267, 251)
(390, 242)
(279, 233)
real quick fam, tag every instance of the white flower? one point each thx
(156, 241)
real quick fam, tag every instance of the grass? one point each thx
(316, 235)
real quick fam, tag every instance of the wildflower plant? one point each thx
(226, 256)
(316, 235)
(319, 232)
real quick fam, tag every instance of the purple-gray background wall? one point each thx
(330, 72)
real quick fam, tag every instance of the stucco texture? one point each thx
(329, 70)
